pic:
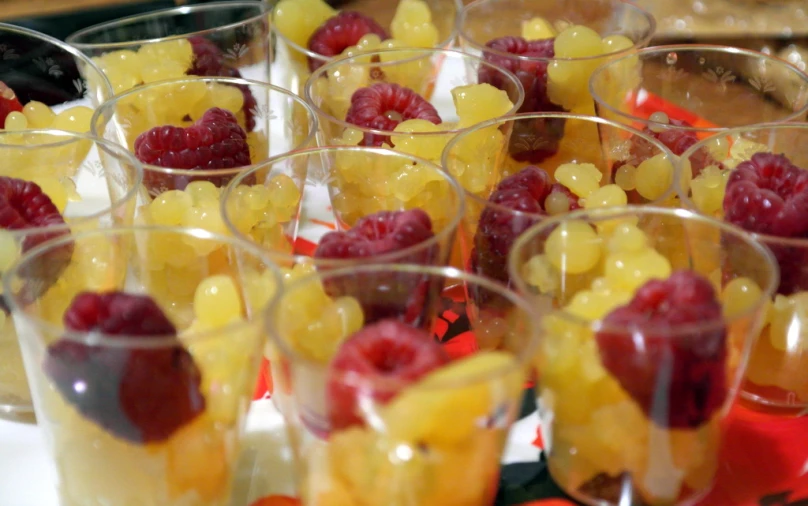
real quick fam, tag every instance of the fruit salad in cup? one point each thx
(516, 194)
(146, 389)
(312, 33)
(644, 347)
(757, 181)
(386, 99)
(355, 383)
(192, 137)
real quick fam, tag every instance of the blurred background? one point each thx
(777, 27)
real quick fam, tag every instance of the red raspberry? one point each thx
(8, 102)
(768, 195)
(522, 195)
(377, 363)
(378, 234)
(678, 379)
(382, 106)
(532, 73)
(339, 33)
(209, 61)
(23, 206)
(214, 141)
(141, 394)
(532, 140)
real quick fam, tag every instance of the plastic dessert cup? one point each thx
(307, 33)
(645, 347)
(45, 83)
(777, 377)
(356, 354)
(87, 183)
(392, 98)
(142, 360)
(184, 171)
(684, 93)
(388, 207)
(517, 171)
(553, 46)
(228, 39)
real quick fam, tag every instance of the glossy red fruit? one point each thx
(676, 374)
(339, 33)
(139, 394)
(519, 201)
(214, 141)
(378, 234)
(382, 106)
(531, 69)
(392, 294)
(24, 206)
(767, 194)
(8, 103)
(210, 61)
(376, 364)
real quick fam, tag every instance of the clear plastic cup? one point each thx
(555, 74)
(683, 93)
(46, 83)
(367, 189)
(90, 183)
(648, 337)
(227, 39)
(191, 196)
(438, 106)
(142, 360)
(418, 24)
(777, 376)
(517, 171)
(411, 431)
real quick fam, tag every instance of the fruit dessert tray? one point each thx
(264, 472)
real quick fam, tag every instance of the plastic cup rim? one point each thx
(127, 341)
(463, 36)
(282, 258)
(521, 360)
(307, 89)
(114, 149)
(68, 48)
(109, 106)
(445, 161)
(445, 44)
(161, 13)
(794, 242)
(712, 48)
(610, 213)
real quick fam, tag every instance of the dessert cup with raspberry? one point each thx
(379, 411)
(645, 348)
(311, 33)
(388, 207)
(393, 99)
(759, 183)
(681, 94)
(53, 182)
(143, 356)
(553, 46)
(591, 167)
(227, 39)
(192, 137)
(45, 83)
